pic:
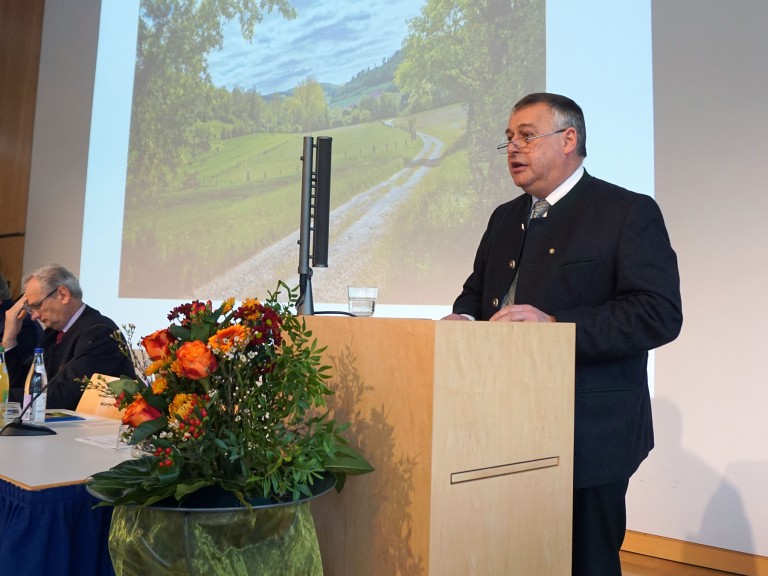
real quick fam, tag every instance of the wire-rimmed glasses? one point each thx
(522, 142)
(30, 308)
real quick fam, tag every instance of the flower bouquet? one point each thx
(233, 400)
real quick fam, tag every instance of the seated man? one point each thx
(26, 340)
(78, 341)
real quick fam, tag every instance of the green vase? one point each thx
(274, 541)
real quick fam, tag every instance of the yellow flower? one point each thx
(227, 306)
(154, 368)
(159, 385)
(182, 405)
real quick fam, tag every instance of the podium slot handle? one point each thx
(494, 471)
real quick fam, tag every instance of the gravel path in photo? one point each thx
(356, 227)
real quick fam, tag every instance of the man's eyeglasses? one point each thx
(522, 142)
(36, 307)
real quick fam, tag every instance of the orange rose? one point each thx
(139, 411)
(194, 360)
(157, 344)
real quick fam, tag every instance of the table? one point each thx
(48, 526)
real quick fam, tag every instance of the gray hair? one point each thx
(565, 114)
(54, 275)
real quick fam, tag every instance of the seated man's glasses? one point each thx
(36, 307)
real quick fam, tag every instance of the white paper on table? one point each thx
(108, 442)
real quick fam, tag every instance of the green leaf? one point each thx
(148, 428)
(341, 480)
(180, 332)
(127, 385)
(168, 475)
(131, 481)
(188, 488)
(347, 461)
(201, 331)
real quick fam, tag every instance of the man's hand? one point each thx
(14, 317)
(455, 317)
(521, 313)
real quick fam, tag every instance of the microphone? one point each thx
(20, 428)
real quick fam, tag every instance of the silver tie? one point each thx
(540, 209)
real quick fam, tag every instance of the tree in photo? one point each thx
(484, 54)
(173, 96)
(312, 105)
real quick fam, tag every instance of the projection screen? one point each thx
(194, 172)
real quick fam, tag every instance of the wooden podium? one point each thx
(470, 428)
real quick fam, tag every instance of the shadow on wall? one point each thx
(723, 521)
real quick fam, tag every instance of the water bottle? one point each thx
(38, 385)
(27, 396)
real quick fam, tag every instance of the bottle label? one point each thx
(28, 414)
(38, 409)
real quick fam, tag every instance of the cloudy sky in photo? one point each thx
(329, 41)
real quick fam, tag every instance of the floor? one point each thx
(637, 565)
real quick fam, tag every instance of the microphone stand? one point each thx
(305, 305)
(20, 428)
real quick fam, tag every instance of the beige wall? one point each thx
(705, 481)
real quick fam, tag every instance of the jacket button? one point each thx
(495, 302)
(512, 264)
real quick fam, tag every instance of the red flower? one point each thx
(267, 328)
(190, 313)
(181, 313)
(139, 411)
(157, 344)
(194, 360)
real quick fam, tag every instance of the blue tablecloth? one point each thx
(53, 532)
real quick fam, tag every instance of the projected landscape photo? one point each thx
(415, 96)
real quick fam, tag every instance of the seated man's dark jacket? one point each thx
(26, 340)
(87, 348)
(602, 260)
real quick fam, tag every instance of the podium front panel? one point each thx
(470, 428)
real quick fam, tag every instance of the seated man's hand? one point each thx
(14, 317)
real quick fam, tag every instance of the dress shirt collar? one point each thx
(564, 188)
(74, 318)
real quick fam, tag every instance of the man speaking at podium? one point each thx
(78, 341)
(577, 249)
